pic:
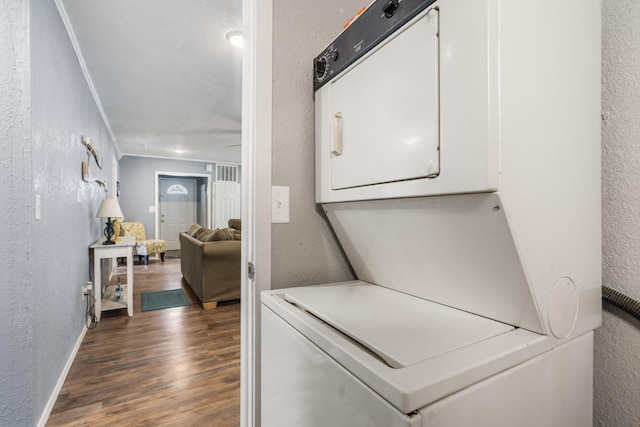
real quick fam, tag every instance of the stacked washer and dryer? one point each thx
(458, 162)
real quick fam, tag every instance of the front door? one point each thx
(177, 208)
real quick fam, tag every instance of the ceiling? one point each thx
(163, 73)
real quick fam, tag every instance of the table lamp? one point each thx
(109, 208)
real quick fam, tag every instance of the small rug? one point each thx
(164, 299)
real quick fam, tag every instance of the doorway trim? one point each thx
(156, 196)
(257, 96)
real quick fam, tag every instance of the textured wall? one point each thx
(304, 251)
(16, 292)
(617, 346)
(62, 110)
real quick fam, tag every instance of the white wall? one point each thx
(305, 251)
(617, 345)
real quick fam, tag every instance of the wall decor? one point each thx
(91, 151)
(87, 175)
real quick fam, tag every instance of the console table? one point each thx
(107, 297)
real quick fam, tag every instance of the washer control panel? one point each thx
(375, 24)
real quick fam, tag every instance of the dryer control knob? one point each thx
(390, 8)
(320, 67)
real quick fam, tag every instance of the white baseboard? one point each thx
(63, 376)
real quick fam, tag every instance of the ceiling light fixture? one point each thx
(235, 37)
(178, 151)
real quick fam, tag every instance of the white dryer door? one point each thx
(384, 111)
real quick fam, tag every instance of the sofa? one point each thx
(210, 262)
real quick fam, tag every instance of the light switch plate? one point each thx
(38, 207)
(280, 205)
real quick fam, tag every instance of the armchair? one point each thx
(144, 247)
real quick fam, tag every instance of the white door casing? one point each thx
(256, 195)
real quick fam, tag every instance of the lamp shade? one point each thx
(109, 208)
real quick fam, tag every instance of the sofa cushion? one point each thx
(220, 234)
(235, 223)
(193, 229)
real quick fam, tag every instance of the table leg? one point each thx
(130, 282)
(97, 287)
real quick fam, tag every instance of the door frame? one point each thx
(156, 196)
(257, 96)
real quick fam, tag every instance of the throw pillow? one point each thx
(192, 229)
(202, 233)
(220, 234)
(235, 223)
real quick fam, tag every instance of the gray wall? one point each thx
(137, 185)
(16, 289)
(305, 251)
(48, 106)
(617, 349)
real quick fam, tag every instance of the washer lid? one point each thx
(400, 329)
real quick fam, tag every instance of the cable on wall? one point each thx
(90, 316)
(622, 301)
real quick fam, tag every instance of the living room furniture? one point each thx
(107, 297)
(144, 247)
(212, 267)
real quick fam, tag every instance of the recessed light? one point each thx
(178, 151)
(235, 37)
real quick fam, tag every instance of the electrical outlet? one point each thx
(87, 288)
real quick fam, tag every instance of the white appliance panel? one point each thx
(454, 250)
(401, 329)
(406, 388)
(554, 389)
(306, 385)
(467, 110)
(384, 111)
(302, 386)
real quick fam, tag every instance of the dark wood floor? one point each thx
(172, 367)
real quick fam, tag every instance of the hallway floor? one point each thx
(177, 366)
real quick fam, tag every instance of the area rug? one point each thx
(164, 299)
